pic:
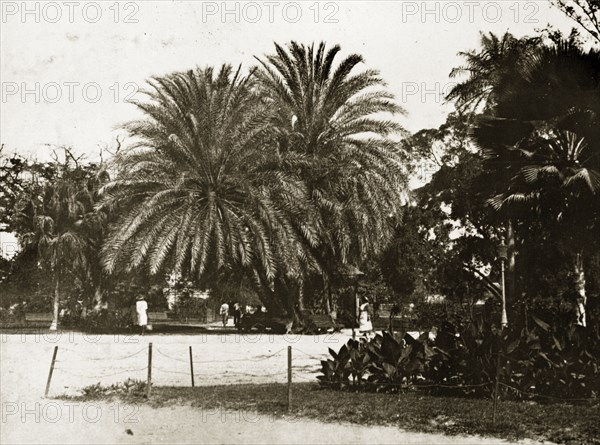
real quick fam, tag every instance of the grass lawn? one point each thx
(561, 423)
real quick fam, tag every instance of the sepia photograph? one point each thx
(283, 222)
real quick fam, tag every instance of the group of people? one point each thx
(238, 313)
(140, 315)
(365, 319)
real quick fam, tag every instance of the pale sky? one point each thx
(68, 67)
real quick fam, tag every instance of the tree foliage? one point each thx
(338, 120)
(546, 148)
(496, 59)
(203, 193)
(57, 218)
(585, 12)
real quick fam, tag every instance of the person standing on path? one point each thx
(237, 314)
(224, 312)
(141, 307)
(365, 318)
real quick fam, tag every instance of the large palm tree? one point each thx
(334, 120)
(544, 135)
(199, 193)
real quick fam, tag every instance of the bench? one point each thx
(38, 317)
(382, 323)
(262, 322)
(382, 319)
(319, 323)
(154, 317)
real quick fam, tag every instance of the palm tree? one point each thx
(60, 220)
(333, 124)
(491, 69)
(198, 193)
(544, 135)
(485, 68)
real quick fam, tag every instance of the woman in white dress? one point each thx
(141, 307)
(365, 323)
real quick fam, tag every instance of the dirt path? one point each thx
(102, 423)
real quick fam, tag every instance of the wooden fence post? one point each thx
(149, 381)
(51, 371)
(191, 366)
(289, 378)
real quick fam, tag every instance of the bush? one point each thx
(188, 307)
(106, 321)
(561, 362)
(130, 388)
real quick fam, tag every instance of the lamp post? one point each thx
(503, 254)
(355, 312)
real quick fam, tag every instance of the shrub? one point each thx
(544, 362)
(190, 307)
(106, 320)
(130, 388)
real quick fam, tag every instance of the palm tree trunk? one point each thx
(295, 292)
(580, 288)
(325, 302)
(510, 294)
(54, 325)
(301, 295)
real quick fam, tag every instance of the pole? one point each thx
(191, 367)
(496, 387)
(504, 324)
(289, 378)
(496, 390)
(355, 321)
(51, 371)
(149, 381)
(504, 321)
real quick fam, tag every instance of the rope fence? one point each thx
(312, 356)
(294, 373)
(100, 375)
(87, 358)
(543, 396)
(163, 363)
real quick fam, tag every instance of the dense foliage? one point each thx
(559, 361)
(518, 162)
